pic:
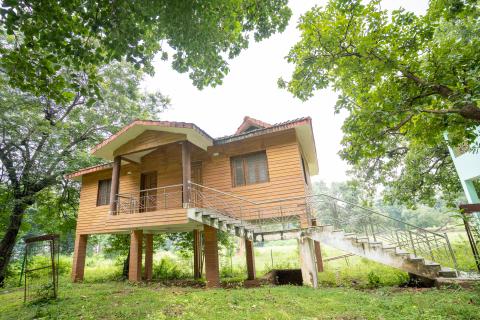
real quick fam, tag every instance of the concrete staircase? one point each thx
(377, 251)
(221, 222)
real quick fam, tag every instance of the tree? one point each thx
(48, 36)
(405, 80)
(41, 139)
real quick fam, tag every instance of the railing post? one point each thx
(371, 228)
(411, 241)
(452, 254)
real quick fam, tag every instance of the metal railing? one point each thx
(374, 226)
(162, 198)
(276, 215)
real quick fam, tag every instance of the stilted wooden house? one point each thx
(173, 177)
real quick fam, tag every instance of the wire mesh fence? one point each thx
(40, 267)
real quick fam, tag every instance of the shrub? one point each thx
(373, 280)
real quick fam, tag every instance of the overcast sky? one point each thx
(251, 89)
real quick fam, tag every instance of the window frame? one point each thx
(107, 199)
(244, 158)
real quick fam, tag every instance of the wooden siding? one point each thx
(148, 140)
(285, 180)
(285, 173)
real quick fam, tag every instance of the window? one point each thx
(103, 195)
(249, 169)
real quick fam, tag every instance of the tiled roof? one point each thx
(272, 128)
(249, 122)
(91, 169)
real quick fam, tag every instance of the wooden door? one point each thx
(196, 178)
(148, 191)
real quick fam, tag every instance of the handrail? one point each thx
(320, 194)
(151, 189)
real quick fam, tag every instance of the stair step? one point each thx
(402, 253)
(375, 243)
(416, 259)
(447, 273)
(393, 248)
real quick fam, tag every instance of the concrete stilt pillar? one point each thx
(135, 266)
(307, 262)
(318, 251)
(197, 254)
(212, 273)
(79, 255)
(250, 255)
(148, 272)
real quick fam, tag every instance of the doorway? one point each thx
(198, 179)
(148, 191)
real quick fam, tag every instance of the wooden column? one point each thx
(317, 250)
(135, 266)
(212, 273)
(114, 187)
(186, 172)
(197, 254)
(79, 255)
(148, 257)
(250, 254)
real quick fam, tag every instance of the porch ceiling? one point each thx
(195, 135)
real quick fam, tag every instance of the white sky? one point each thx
(251, 89)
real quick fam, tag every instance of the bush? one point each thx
(170, 269)
(373, 280)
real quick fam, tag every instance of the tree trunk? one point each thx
(126, 264)
(9, 239)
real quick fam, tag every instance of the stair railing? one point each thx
(292, 213)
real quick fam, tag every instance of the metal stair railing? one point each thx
(374, 226)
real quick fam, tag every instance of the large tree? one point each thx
(83, 35)
(41, 139)
(404, 79)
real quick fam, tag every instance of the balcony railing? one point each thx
(162, 198)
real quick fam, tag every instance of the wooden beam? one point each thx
(186, 172)
(470, 208)
(114, 187)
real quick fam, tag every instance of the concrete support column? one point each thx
(250, 255)
(317, 251)
(186, 172)
(197, 254)
(135, 266)
(212, 273)
(307, 262)
(79, 255)
(114, 187)
(148, 272)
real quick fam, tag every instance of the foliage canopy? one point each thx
(50, 40)
(404, 80)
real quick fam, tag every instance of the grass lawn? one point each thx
(120, 300)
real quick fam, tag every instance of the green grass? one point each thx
(120, 300)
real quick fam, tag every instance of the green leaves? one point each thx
(82, 36)
(404, 79)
